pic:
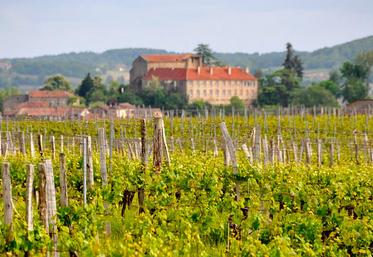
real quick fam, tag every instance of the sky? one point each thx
(39, 27)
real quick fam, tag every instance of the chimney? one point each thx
(199, 70)
(211, 71)
(247, 70)
(229, 70)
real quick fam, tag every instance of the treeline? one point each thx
(347, 84)
(77, 65)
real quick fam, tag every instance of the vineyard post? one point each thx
(40, 145)
(84, 170)
(29, 186)
(32, 146)
(61, 144)
(8, 207)
(140, 191)
(246, 151)
(112, 135)
(168, 160)
(227, 158)
(63, 181)
(42, 197)
(9, 142)
(366, 149)
(331, 153)
(319, 152)
(232, 154)
(215, 148)
(103, 152)
(90, 163)
(157, 143)
(22, 143)
(356, 147)
(308, 150)
(256, 150)
(265, 150)
(53, 147)
(102, 145)
(51, 204)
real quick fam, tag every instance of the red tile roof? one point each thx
(166, 57)
(204, 73)
(50, 94)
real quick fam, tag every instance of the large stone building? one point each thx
(186, 74)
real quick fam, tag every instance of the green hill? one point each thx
(31, 72)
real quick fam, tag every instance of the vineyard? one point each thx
(253, 185)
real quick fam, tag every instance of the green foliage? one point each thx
(277, 88)
(237, 103)
(155, 95)
(332, 87)
(199, 105)
(292, 61)
(355, 81)
(56, 82)
(86, 86)
(315, 95)
(205, 52)
(7, 92)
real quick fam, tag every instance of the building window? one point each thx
(217, 92)
(211, 92)
(229, 92)
(204, 92)
(241, 93)
(198, 93)
(223, 92)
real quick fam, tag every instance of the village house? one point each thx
(121, 111)
(43, 104)
(186, 74)
(360, 107)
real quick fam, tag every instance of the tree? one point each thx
(277, 88)
(314, 95)
(5, 93)
(86, 86)
(292, 62)
(205, 52)
(332, 87)
(57, 82)
(355, 81)
(237, 103)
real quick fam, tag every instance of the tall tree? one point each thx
(86, 86)
(292, 61)
(205, 52)
(57, 82)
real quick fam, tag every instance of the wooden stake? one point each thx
(8, 207)
(157, 143)
(63, 182)
(140, 190)
(102, 145)
(90, 170)
(29, 187)
(51, 205)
